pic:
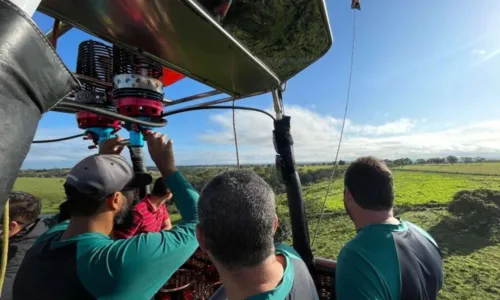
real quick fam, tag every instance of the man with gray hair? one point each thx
(237, 222)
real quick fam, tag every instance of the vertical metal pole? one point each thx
(28, 6)
(278, 104)
(285, 162)
(139, 165)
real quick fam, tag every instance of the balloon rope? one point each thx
(341, 131)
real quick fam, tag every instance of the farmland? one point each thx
(490, 168)
(471, 260)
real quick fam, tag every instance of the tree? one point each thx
(402, 161)
(283, 233)
(407, 161)
(466, 159)
(342, 162)
(421, 161)
(452, 159)
(388, 162)
(479, 159)
(436, 160)
(306, 178)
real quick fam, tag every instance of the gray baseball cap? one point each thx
(102, 175)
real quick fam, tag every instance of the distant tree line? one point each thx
(44, 173)
(450, 159)
(198, 176)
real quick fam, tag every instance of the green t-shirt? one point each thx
(134, 268)
(389, 262)
(297, 283)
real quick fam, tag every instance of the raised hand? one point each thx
(111, 146)
(161, 153)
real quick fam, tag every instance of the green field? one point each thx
(471, 262)
(487, 168)
(50, 190)
(413, 188)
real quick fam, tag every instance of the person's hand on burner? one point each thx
(112, 146)
(161, 153)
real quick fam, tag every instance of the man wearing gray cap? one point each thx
(78, 260)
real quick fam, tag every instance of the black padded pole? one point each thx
(32, 80)
(137, 157)
(285, 161)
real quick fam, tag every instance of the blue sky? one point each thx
(424, 84)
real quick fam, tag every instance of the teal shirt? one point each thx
(135, 268)
(285, 286)
(297, 283)
(372, 265)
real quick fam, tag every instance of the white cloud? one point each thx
(400, 126)
(316, 138)
(492, 54)
(479, 51)
(486, 55)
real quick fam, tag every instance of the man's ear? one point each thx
(14, 228)
(169, 196)
(200, 236)
(13, 225)
(114, 201)
(347, 195)
(276, 223)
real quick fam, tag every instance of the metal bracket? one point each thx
(279, 108)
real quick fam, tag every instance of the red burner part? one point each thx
(87, 120)
(139, 107)
(170, 77)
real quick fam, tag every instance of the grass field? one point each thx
(50, 190)
(487, 168)
(412, 188)
(471, 262)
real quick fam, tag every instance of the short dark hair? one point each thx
(236, 210)
(80, 204)
(160, 188)
(24, 207)
(370, 183)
